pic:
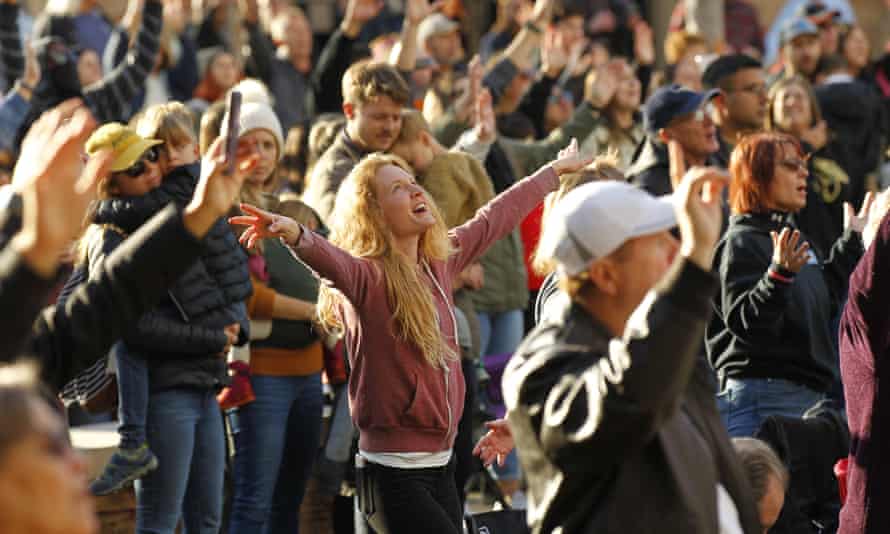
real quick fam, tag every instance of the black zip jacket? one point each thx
(598, 424)
(764, 327)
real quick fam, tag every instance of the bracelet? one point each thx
(776, 275)
(532, 27)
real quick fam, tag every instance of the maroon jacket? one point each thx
(399, 402)
(864, 344)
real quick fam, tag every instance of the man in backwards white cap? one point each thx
(593, 394)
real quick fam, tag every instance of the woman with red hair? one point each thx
(770, 340)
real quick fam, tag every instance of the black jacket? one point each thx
(699, 404)
(184, 334)
(221, 279)
(768, 328)
(650, 169)
(857, 130)
(597, 423)
(66, 340)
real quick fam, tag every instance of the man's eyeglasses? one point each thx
(137, 169)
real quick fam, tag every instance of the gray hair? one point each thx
(760, 461)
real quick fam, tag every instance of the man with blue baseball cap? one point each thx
(801, 49)
(673, 115)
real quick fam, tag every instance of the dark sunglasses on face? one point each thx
(135, 170)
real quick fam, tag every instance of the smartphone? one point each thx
(233, 112)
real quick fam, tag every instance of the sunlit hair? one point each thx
(772, 102)
(413, 124)
(365, 81)
(678, 43)
(604, 167)
(753, 166)
(172, 123)
(358, 227)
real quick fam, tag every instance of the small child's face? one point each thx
(176, 156)
(417, 154)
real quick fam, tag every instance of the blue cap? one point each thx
(670, 102)
(795, 28)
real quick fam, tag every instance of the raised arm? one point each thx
(350, 275)
(870, 281)
(110, 97)
(504, 213)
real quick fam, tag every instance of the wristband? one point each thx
(776, 272)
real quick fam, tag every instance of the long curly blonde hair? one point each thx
(358, 227)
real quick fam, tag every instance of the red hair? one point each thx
(753, 166)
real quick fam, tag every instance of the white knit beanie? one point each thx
(257, 116)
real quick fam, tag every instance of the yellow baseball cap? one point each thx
(128, 146)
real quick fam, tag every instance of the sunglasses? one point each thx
(137, 169)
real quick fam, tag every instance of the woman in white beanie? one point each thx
(271, 466)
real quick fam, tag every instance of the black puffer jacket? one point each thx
(224, 280)
(181, 351)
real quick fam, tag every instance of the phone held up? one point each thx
(233, 113)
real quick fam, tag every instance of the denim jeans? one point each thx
(185, 432)
(501, 333)
(745, 403)
(132, 395)
(276, 440)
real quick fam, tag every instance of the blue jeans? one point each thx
(185, 431)
(132, 395)
(745, 403)
(276, 440)
(501, 333)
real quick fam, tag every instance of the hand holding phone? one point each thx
(233, 113)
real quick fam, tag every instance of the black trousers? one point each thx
(407, 501)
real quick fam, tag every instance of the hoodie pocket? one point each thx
(428, 408)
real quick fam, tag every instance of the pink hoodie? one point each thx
(399, 402)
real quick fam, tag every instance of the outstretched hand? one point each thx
(217, 191)
(857, 221)
(570, 159)
(496, 444)
(699, 213)
(262, 224)
(54, 184)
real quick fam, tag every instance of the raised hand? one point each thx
(32, 74)
(676, 162)
(217, 191)
(496, 444)
(54, 185)
(570, 159)
(788, 252)
(699, 213)
(543, 12)
(262, 224)
(858, 222)
(484, 119)
(644, 44)
(417, 10)
(466, 102)
(358, 13)
(601, 84)
(553, 55)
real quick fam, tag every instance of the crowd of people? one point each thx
(442, 244)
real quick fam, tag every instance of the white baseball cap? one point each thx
(435, 24)
(595, 219)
